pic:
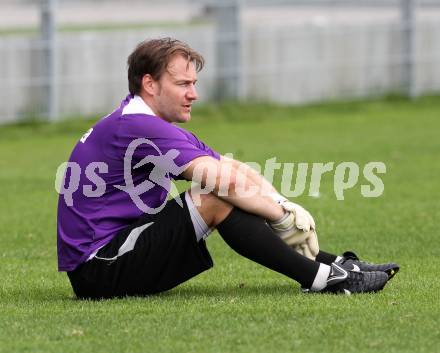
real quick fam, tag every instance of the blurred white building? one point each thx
(288, 53)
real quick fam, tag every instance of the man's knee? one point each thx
(212, 208)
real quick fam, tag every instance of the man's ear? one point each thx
(149, 85)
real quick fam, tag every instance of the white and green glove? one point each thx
(296, 228)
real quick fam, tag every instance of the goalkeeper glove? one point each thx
(302, 218)
(296, 228)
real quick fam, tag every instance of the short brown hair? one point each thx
(153, 56)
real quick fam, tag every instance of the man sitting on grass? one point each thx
(121, 237)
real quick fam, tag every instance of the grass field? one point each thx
(239, 306)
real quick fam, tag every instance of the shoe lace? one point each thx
(355, 259)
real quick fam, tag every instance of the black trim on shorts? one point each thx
(165, 254)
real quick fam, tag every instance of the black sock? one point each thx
(251, 237)
(325, 257)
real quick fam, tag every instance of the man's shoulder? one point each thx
(133, 119)
(149, 126)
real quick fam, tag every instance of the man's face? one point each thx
(175, 91)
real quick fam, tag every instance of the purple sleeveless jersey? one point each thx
(129, 152)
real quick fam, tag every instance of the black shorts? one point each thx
(165, 253)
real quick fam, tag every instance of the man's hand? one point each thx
(303, 219)
(310, 246)
(296, 228)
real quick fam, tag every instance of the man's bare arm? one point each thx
(253, 175)
(234, 186)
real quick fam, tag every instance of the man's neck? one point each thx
(148, 102)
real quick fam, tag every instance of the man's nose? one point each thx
(192, 92)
